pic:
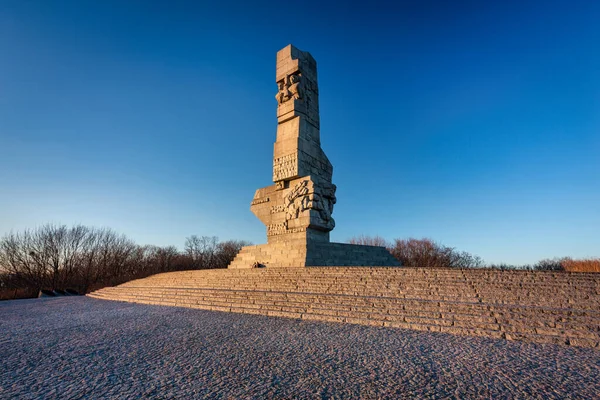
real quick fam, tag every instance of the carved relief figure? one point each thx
(296, 88)
(293, 201)
(292, 87)
(282, 95)
(303, 198)
(328, 202)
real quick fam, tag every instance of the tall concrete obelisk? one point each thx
(297, 208)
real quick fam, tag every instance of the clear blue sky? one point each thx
(474, 123)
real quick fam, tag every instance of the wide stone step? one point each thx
(545, 307)
(381, 286)
(396, 281)
(379, 272)
(467, 302)
(267, 289)
(390, 283)
(498, 298)
(554, 320)
(457, 326)
(390, 310)
(536, 277)
(371, 301)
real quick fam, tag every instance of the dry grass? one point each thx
(585, 265)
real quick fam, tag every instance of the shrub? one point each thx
(554, 264)
(422, 253)
(428, 254)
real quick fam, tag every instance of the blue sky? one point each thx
(476, 124)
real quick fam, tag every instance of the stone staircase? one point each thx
(534, 306)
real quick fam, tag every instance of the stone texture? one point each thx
(297, 209)
(83, 348)
(542, 307)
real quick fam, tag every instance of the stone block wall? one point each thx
(299, 254)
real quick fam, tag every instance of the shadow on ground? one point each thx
(77, 347)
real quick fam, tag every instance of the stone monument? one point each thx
(297, 208)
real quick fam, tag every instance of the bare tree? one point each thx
(429, 254)
(226, 252)
(27, 256)
(368, 241)
(56, 256)
(162, 259)
(201, 250)
(85, 258)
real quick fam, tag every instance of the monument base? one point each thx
(286, 255)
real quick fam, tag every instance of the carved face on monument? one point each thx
(295, 87)
(282, 92)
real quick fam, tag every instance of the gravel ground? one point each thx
(78, 347)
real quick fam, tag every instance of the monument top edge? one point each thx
(291, 51)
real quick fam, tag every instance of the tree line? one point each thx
(427, 253)
(86, 258)
(422, 253)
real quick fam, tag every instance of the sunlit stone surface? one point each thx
(78, 347)
(297, 209)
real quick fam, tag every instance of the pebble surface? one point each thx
(79, 347)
